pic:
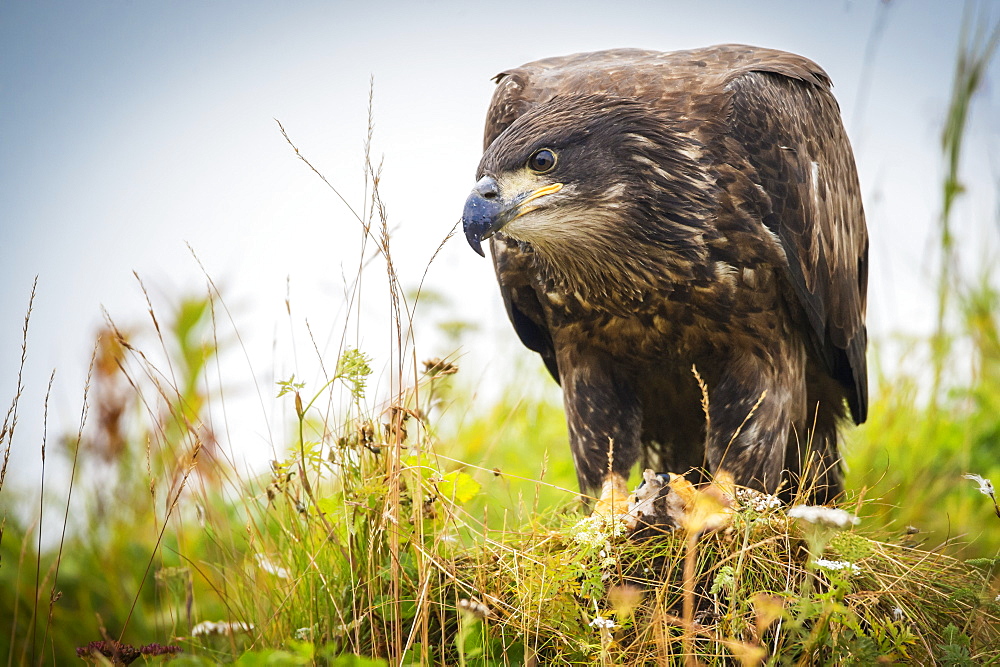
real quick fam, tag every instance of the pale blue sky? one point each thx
(130, 128)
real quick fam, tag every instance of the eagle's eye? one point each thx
(542, 161)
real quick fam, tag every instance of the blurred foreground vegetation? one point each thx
(389, 533)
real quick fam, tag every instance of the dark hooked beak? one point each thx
(486, 211)
(482, 215)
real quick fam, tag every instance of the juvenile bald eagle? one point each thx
(653, 212)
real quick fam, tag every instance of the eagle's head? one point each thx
(584, 174)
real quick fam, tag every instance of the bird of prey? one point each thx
(655, 214)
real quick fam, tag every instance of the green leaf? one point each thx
(357, 661)
(414, 656)
(725, 580)
(354, 367)
(458, 487)
(289, 386)
(388, 605)
(329, 505)
(420, 463)
(269, 657)
(956, 650)
(302, 649)
(470, 640)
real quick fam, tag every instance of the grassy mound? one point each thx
(364, 545)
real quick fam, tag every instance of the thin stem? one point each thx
(690, 560)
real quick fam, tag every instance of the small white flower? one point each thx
(271, 568)
(590, 531)
(897, 614)
(985, 485)
(206, 628)
(757, 501)
(837, 565)
(474, 607)
(220, 628)
(304, 634)
(602, 623)
(824, 516)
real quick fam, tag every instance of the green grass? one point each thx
(391, 533)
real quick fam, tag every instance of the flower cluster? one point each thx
(836, 565)
(122, 654)
(118, 653)
(268, 566)
(596, 531)
(824, 516)
(220, 628)
(474, 607)
(438, 367)
(602, 623)
(757, 501)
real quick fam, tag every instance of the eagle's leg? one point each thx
(812, 457)
(605, 421)
(614, 498)
(751, 413)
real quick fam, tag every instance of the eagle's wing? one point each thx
(514, 272)
(790, 129)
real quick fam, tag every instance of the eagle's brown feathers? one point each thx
(655, 212)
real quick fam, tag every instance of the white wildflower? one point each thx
(592, 531)
(897, 614)
(271, 568)
(824, 516)
(985, 485)
(206, 628)
(837, 565)
(474, 607)
(602, 623)
(757, 501)
(304, 634)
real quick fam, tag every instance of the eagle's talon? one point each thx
(615, 500)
